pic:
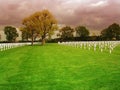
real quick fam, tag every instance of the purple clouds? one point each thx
(95, 14)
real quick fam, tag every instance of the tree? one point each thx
(82, 31)
(11, 33)
(42, 22)
(111, 33)
(26, 34)
(29, 28)
(66, 33)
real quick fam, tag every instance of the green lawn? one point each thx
(55, 67)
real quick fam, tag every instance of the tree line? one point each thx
(112, 32)
(41, 25)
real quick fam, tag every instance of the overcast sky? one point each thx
(94, 14)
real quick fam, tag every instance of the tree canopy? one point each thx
(66, 32)
(43, 23)
(11, 33)
(26, 34)
(112, 32)
(82, 31)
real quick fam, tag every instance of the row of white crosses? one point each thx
(6, 46)
(100, 45)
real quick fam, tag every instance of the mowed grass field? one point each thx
(55, 67)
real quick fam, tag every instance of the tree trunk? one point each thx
(32, 38)
(32, 41)
(43, 41)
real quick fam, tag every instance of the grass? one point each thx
(55, 67)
